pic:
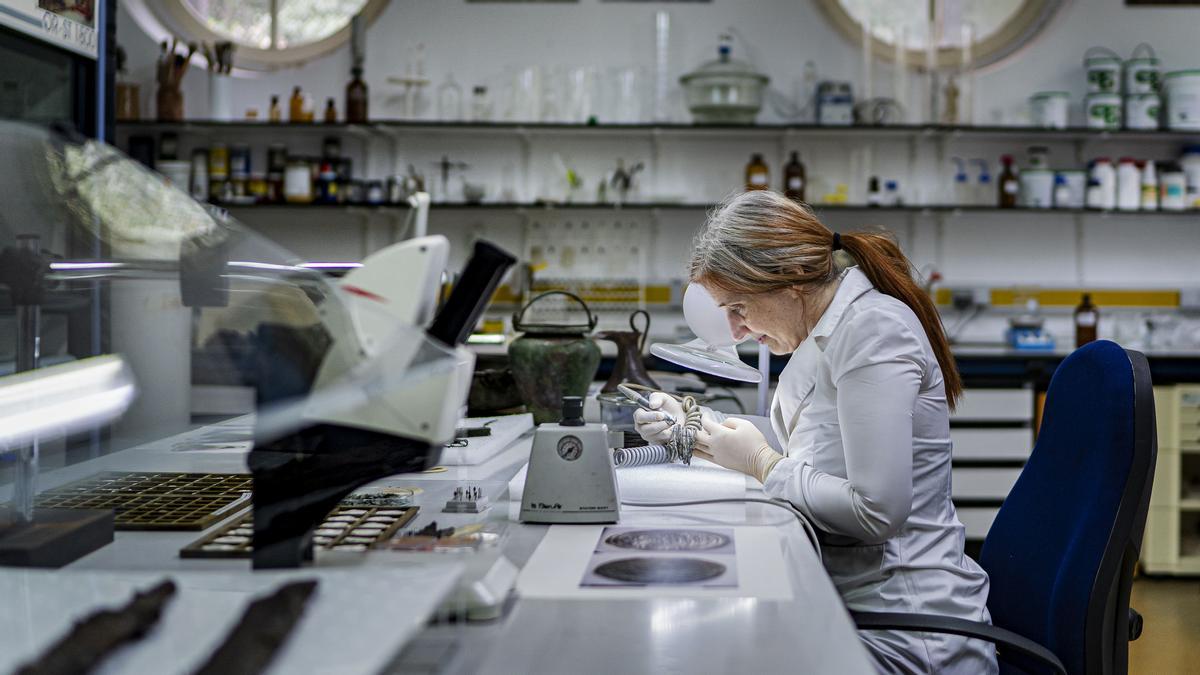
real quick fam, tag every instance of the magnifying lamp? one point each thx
(713, 351)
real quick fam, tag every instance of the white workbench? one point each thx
(646, 634)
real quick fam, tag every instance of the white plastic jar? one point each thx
(1103, 74)
(1037, 188)
(1183, 99)
(1141, 76)
(1142, 111)
(1103, 111)
(1048, 109)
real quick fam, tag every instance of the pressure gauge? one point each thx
(570, 448)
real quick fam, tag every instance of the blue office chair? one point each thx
(1061, 551)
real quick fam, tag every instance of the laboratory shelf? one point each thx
(950, 209)
(897, 131)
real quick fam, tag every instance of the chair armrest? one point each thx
(932, 623)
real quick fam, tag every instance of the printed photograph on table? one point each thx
(641, 570)
(717, 540)
(641, 557)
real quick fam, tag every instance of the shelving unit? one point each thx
(898, 131)
(950, 209)
(1172, 539)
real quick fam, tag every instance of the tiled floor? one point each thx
(1170, 641)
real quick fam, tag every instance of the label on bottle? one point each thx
(1011, 187)
(758, 179)
(795, 183)
(1087, 319)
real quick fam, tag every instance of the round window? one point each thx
(277, 24)
(992, 28)
(268, 33)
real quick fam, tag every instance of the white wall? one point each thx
(478, 42)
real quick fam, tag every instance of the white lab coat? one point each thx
(861, 411)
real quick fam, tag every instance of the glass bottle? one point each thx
(274, 114)
(1008, 184)
(330, 111)
(874, 195)
(356, 98)
(481, 105)
(1087, 317)
(758, 175)
(794, 178)
(296, 106)
(450, 100)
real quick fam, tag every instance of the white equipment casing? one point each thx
(411, 386)
(571, 477)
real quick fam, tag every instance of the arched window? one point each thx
(269, 34)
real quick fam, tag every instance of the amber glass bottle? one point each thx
(758, 175)
(1087, 317)
(794, 178)
(296, 106)
(356, 98)
(330, 111)
(1008, 184)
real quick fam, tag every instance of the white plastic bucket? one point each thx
(1103, 74)
(1142, 111)
(1102, 111)
(1037, 188)
(1183, 99)
(1048, 109)
(1141, 76)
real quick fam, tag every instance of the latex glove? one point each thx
(736, 444)
(651, 424)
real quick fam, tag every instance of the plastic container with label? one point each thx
(1142, 111)
(1037, 188)
(1149, 186)
(1103, 111)
(1141, 76)
(1048, 109)
(1172, 188)
(1183, 99)
(1103, 74)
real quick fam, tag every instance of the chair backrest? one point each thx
(1061, 551)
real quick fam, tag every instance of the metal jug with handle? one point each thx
(630, 346)
(552, 360)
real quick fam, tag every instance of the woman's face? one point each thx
(776, 318)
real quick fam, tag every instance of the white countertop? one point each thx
(647, 633)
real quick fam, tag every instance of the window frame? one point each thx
(1016, 34)
(176, 18)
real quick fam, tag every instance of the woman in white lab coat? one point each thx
(862, 410)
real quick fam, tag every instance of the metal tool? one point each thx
(571, 477)
(643, 402)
